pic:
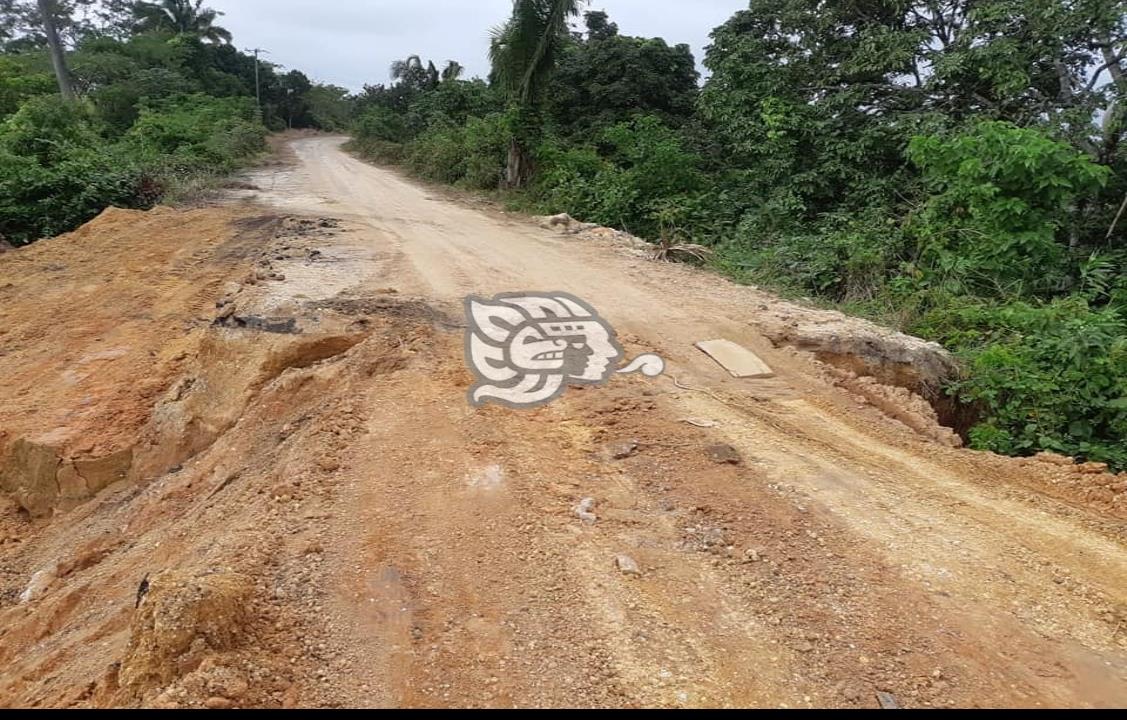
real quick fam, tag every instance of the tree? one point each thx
(295, 86)
(22, 27)
(599, 26)
(413, 75)
(817, 100)
(182, 17)
(18, 84)
(22, 22)
(455, 102)
(606, 78)
(329, 107)
(395, 97)
(402, 70)
(452, 71)
(115, 18)
(9, 20)
(409, 71)
(523, 53)
(47, 10)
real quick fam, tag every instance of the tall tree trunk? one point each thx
(1113, 117)
(58, 58)
(519, 169)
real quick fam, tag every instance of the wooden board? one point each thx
(736, 359)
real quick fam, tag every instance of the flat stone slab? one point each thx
(736, 359)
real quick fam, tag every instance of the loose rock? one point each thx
(724, 455)
(1054, 459)
(180, 611)
(627, 565)
(887, 701)
(40, 583)
(585, 511)
(619, 450)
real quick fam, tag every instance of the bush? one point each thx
(57, 171)
(644, 180)
(18, 85)
(438, 154)
(39, 201)
(471, 156)
(377, 150)
(999, 196)
(848, 257)
(566, 181)
(215, 133)
(1046, 377)
(48, 129)
(486, 143)
(380, 124)
(119, 104)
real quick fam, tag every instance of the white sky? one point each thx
(353, 42)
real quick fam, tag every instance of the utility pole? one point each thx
(58, 58)
(257, 82)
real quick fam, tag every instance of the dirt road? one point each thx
(403, 549)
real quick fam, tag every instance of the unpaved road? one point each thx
(935, 567)
(410, 551)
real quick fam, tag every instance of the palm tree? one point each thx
(405, 69)
(183, 17)
(410, 72)
(523, 53)
(452, 71)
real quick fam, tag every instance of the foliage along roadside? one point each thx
(166, 105)
(940, 172)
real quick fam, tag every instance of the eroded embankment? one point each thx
(903, 376)
(135, 342)
(200, 588)
(168, 459)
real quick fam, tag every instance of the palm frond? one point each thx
(182, 17)
(554, 28)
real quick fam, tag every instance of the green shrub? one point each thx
(847, 257)
(377, 150)
(438, 154)
(566, 179)
(486, 144)
(1046, 377)
(119, 104)
(213, 132)
(644, 180)
(18, 85)
(58, 171)
(999, 197)
(39, 201)
(48, 129)
(380, 124)
(470, 155)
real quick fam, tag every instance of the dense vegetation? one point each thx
(954, 168)
(163, 104)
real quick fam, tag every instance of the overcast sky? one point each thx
(353, 42)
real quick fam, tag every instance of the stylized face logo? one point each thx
(526, 349)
